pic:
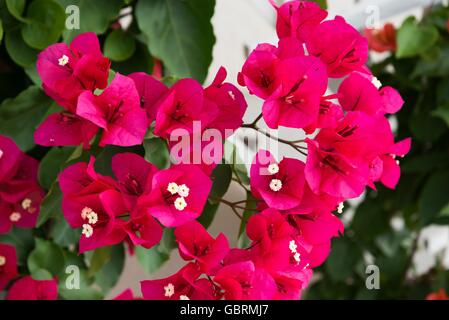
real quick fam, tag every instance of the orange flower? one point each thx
(383, 39)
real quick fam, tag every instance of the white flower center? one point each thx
(297, 257)
(376, 82)
(2, 261)
(183, 297)
(26, 204)
(88, 231)
(15, 217)
(85, 212)
(276, 185)
(180, 203)
(340, 208)
(397, 162)
(1, 153)
(183, 190)
(63, 60)
(169, 290)
(172, 188)
(292, 246)
(273, 168)
(92, 217)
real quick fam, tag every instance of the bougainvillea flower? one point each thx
(328, 116)
(27, 288)
(230, 102)
(143, 230)
(97, 215)
(333, 173)
(243, 281)
(116, 110)
(67, 71)
(126, 294)
(80, 179)
(339, 46)
(281, 184)
(382, 39)
(183, 104)
(134, 176)
(20, 193)
(178, 195)
(296, 101)
(290, 285)
(297, 18)
(195, 243)
(150, 91)
(8, 264)
(358, 93)
(317, 230)
(439, 295)
(258, 72)
(65, 129)
(183, 285)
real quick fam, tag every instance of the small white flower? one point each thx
(172, 188)
(297, 257)
(180, 203)
(183, 190)
(231, 94)
(273, 168)
(26, 204)
(92, 217)
(85, 212)
(397, 162)
(340, 208)
(183, 297)
(169, 290)
(15, 217)
(88, 231)
(376, 82)
(2, 261)
(292, 246)
(63, 60)
(276, 185)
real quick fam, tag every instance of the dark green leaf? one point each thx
(119, 45)
(46, 20)
(51, 165)
(22, 240)
(16, 7)
(179, 33)
(46, 255)
(221, 177)
(151, 259)
(414, 39)
(18, 50)
(156, 152)
(62, 234)
(343, 258)
(434, 196)
(51, 205)
(209, 211)
(108, 276)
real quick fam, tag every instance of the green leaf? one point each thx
(46, 255)
(20, 116)
(321, 3)
(1, 31)
(370, 220)
(109, 274)
(221, 177)
(51, 205)
(41, 274)
(250, 205)
(18, 50)
(119, 45)
(16, 8)
(51, 165)
(95, 16)
(414, 38)
(208, 214)
(22, 240)
(426, 127)
(46, 21)
(99, 258)
(156, 152)
(442, 113)
(342, 259)
(151, 259)
(434, 197)
(85, 291)
(179, 33)
(62, 234)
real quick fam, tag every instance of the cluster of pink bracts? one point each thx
(291, 234)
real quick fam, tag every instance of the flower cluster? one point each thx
(20, 193)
